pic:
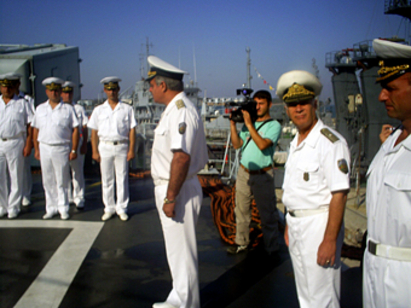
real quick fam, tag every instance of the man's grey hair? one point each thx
(172, 84)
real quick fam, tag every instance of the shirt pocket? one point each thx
(161, 142)
(307, 175)
(62, 120)
(398, 181)
(122, 121)
(398, 198)
(63, 125)
(17, 116)
(103, 123)
(41, 120)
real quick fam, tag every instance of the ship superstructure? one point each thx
(359, 114)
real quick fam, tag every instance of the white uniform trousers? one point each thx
(114, 173)
(386, 282)
(77, 185)
(27, 178)
(180, 241)
(317, 286)
(11, 175)
(55, 173)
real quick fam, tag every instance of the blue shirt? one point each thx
(252, 157)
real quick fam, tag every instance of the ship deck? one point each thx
(84, 262)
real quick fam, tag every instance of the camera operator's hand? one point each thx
(247, 118)
(231, 121)
(235, 139)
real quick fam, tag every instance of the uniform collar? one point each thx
(12, 100)
(172, 104)
(57, 107)
(388, 145)
(312, 137)
(118, 106)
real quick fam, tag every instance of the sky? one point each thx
(282, 36)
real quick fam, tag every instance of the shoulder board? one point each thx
(329, 135)
(180, 104)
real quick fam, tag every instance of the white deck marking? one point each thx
(50, 286)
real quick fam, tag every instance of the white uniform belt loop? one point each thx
(116, 142)
(390, 252)
(308, 212)
(13, 138)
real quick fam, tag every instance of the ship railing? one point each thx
(390, 5)
(339, 57)
(364, 49)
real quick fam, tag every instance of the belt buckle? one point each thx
(4, 139)
(115, 142)
(372, 247)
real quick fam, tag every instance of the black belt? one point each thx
(260, 171)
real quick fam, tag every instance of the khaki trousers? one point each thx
(261, 188)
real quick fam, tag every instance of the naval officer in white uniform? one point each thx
(15, 144)
(77, 185)
(55, 137)
(179, 152)
(316, 183)
(27, 178)
(387, 259)
(113, 142)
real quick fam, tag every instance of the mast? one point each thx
(195, 66)
(248, 50)
(148, 45)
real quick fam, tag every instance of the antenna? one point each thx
(195, 66)
(248, 50)
(148, 45)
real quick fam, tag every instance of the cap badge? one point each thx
(7, 82)
(388, 71)
(67, 89)
(151, 73)
(111, 85)
(297, 92)
(53, 86)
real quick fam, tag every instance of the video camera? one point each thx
(248, 104)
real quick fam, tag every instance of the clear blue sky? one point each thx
(282, 35)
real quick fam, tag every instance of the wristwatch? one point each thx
(74, 151)
(166, 201)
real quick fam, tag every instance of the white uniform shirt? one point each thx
(29, 99)
(55, 125)
(179, 129)
(389, 193)
(81, 115)
(112, 125)
(14, 117)
(312, 170)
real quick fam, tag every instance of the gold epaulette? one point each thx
(330, 136)
(180, 104)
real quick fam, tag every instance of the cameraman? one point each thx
(255, 178)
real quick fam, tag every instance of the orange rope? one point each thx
(222, 208)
